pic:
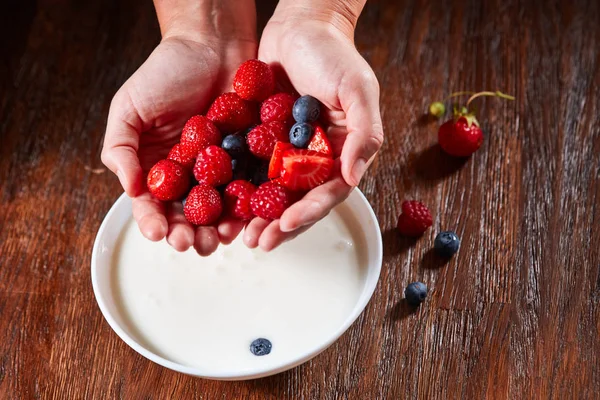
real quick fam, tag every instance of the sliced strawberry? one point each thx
(320, 142)
(304, 169)
(276, 159)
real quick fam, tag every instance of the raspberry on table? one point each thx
(213, 167)
(415, 218)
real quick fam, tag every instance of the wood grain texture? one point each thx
(515, 315)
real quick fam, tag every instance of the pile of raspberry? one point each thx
(254, 153)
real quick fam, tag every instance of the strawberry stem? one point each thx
(497, 93)
(456, 94)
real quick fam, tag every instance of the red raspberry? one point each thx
(270, 200)
(168, 180)
(183, 154)
(213, 167)
(415, 218)
(254, 80)
(198, 133)
(262, 139)
(203, 205)
(237, 199)
(461, 137)
(278, 108)
(230, 113)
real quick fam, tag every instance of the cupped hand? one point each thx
(177, 81)
(321, 60)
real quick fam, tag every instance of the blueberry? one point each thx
(234, 145)
(415, 293)
(261, 174)
(300, 134)
(446, 244)
(306, 109)
(239, 167)
(261, 347)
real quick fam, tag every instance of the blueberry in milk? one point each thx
(261, 347)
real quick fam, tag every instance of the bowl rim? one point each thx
(366, 296)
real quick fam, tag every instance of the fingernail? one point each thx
(358, 170)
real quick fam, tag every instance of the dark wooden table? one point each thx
(515, 315)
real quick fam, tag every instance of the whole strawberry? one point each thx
(199, 133)
(278, 108)
(415, 218)
(230, 113)
(270, 200)
(237, 199)
(262, 139)
(460, 137)
(183, 154)
(203, 205)
(254, 80)
(213, 167)
(168, 180)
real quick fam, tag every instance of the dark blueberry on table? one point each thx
(306, 109)
(260, 347)
(234, 145)
(261, 174)
(300, 134)
(415, 293)
(446, 244)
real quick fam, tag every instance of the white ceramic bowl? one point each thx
(105, 244)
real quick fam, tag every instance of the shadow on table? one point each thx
(394, 243)
(401, 310)
(433, 164)
(431, 260)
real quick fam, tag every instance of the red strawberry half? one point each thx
(270, 200)
(168, 180)
(277, 159)
(254, 80)
(230, 113)
(203, 205)
(304, 169)
(262, 139)
(213, 167)
(320, 142)
(237, 199)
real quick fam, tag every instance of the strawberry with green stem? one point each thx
(461, 136)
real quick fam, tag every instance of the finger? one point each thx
(272, 237)
(121, 141)
(149, 213)
(206, 240)
(253, 231)
(229, 229)
(359, 98)
(315, 205)
(181, 233)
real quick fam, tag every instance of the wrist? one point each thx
(342, 15)
(201, 20)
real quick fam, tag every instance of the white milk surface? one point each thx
(205, 312)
